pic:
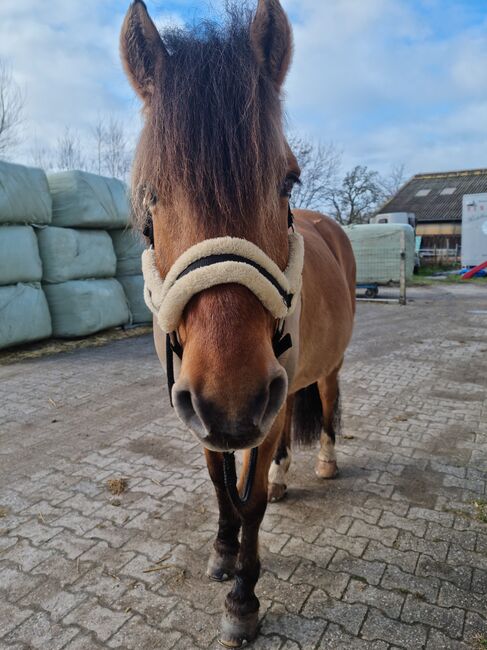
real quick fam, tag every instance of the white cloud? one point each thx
(65, 57)
(375, 77)
(384, 79)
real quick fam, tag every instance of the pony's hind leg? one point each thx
(326, 465)
(282, 458)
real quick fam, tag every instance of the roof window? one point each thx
(448, 190)
(423, 192)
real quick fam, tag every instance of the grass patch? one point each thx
(481, 511)
(478, 514)
(423, 278)
(420, 281)
(480, 642)
(431, 269)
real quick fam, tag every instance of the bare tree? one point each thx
(69, 155)
(111, 147)
(11, 109)
(319, 165)
(41, 155)
(115, 154)
(391, 183)
(99, 137)
(357, 197)
(111, 155)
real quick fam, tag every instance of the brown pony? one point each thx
(213, 161)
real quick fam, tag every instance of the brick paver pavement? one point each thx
(393, 554)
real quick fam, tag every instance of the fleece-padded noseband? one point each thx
(223, 260)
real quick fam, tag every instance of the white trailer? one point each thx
(474, 229)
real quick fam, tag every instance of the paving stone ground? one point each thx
(393, 554)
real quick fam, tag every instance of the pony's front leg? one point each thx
(221, 564)
(241, 616)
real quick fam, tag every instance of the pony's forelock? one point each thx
(213, 129)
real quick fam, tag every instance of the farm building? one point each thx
(436, 200)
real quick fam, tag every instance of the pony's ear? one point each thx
(271, 39)
(142, 50)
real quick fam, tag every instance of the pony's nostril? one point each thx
(277, 391)
(258, 407)
(183, 404)
(277, 394)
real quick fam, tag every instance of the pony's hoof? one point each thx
(276, 492)
(221, 566)
(326, 468)
(236, 631)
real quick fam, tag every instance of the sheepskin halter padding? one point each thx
(223, 260)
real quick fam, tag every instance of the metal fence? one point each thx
(440, 256)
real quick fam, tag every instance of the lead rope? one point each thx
(230, 478)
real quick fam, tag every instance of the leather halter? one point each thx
(280, 343)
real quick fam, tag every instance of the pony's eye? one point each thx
(289, 182)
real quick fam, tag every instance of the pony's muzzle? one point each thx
(226, 429)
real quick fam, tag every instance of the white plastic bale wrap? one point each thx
(133, 285)
(24, 314)
(19, 255)
(84, 200)
(24, 195)
(377, 249)
(82, 307)
(129, 246)
(69, 254)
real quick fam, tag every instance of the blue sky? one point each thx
(388, 81)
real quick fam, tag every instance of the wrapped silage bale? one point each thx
(82, 307)
(133, 285)
(69, 254)
(24, 314)
(84, 200)
(377, 250)
(129, 246)
(19, 255)
(24, 195)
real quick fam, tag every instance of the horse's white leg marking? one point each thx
(277, 472)
(326, 466)
(277, 477)
(327, 449)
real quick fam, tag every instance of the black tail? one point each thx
(307, 416)
(336, 421)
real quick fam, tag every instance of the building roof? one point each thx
(437, 196)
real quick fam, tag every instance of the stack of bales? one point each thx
(78, 256)
(128, 248)
(24, 200)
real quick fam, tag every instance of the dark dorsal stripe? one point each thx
(209, 260)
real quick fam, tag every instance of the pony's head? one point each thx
(213, 161)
